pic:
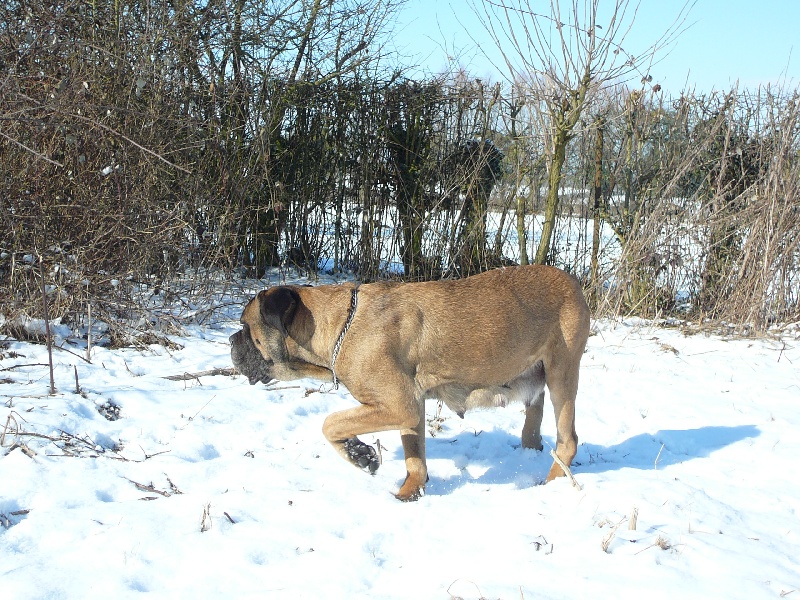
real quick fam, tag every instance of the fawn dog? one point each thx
(484, 340)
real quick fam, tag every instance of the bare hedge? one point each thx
(132, 161)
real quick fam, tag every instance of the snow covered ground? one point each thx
(211, 488)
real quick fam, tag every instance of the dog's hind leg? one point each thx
(562, 382)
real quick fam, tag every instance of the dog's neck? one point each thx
(340, 340)
(319, 320)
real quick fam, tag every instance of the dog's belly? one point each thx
(459, 398)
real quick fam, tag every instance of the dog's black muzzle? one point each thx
(248, 360)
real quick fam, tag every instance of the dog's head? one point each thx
(262, 340)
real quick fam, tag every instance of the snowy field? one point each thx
(211, 488)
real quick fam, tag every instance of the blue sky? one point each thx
(752, 41)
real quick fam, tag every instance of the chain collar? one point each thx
(350, 315)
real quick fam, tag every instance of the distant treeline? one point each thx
(140, 142)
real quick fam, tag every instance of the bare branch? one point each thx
(32, 151)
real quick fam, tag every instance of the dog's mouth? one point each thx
(248, 360)
(254, 379)
(259, 376)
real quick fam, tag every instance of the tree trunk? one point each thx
(597, 211)
(473, 233)
(551, 202)
(521, 231)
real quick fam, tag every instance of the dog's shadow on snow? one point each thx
(497, 457)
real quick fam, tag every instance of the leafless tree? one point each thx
(565, 55)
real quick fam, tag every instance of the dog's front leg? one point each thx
(416, 467)
(532, 429)
(292, 370)
(342, 428)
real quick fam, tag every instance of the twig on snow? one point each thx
(149, 488)
(23, 366)
(89, 333)
(606, 543)
(229, 371)
(190, 419)
(661, 542)
(380, 454)
(205, 521)
(480, 594)
(78, 389)
(48, 336)
(634, 519)
(5, 519)
(566, 469)
(11, 419)
(75, 354)
(172, 486)
(146, 455)
(655, 465)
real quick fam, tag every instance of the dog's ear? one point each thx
(278, 306)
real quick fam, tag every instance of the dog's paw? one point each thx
(412, 496)
(362, 455)
(533, 444)
(412, 489)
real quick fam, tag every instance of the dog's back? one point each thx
(483, 330)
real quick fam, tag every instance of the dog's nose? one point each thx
(232, 339)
